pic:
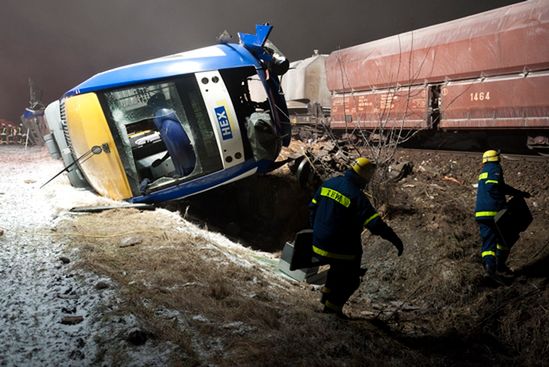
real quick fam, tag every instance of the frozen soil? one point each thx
(51, 312)
(153, 288)
(443, 304)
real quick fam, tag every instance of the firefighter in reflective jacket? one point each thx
(339, 212)
(491, 193)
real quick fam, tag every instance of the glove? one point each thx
(397, 242)
(518, 193)
(525, 194)
(387, 233)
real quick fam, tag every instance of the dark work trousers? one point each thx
(343, 279)
(490, 244)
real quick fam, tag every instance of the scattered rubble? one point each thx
(72, 320)
(137, 337)
(130, 241)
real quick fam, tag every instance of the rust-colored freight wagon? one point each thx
(406, 108)
(518, 102)
(487, 72)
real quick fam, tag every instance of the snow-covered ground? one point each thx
(51, 313)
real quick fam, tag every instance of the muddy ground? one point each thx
(165, 287)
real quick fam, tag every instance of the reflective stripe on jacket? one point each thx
(491, 191)
(339, 212)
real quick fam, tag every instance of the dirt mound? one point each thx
(435, 297)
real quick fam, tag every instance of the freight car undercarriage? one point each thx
(523, 142)
(508, 141)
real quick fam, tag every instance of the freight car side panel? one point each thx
(497, 103)
(407, 108)
(502, 41)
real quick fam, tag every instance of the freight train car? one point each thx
(175, 126)
(306, 91)
(484, 77)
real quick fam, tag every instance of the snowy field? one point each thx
(50, 313)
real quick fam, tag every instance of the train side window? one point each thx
(167, 136)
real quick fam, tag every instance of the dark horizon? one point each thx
(60, 45)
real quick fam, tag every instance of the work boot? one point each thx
(324, 294)
(490, 269)
(339, 313)
(323, 298)
(503, 269)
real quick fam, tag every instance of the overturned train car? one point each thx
(484, 77)
(175, 126)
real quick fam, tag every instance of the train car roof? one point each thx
(220, 56)
(506, 40)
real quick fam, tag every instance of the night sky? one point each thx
(63, 42)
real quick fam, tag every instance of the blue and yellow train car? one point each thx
(175, 126)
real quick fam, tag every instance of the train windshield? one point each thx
(163, 131)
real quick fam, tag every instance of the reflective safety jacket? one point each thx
(339, 212)
(491, 191)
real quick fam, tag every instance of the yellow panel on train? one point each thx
(88, 127)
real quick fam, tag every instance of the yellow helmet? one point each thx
(364, 168)
(490, 156)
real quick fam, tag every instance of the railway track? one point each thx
(511, 149)
(510, 157)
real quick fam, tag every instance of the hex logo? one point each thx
(223, 122)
